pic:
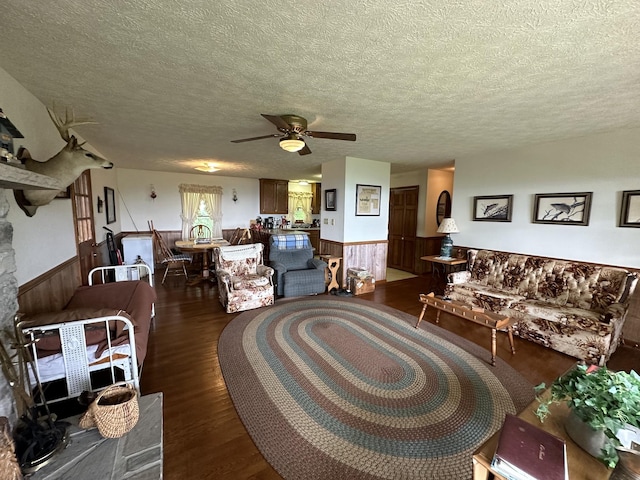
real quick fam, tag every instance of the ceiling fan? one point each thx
(292, 128)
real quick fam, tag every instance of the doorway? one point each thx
(84, 224)
(403, 221)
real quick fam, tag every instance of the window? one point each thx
(201, 204)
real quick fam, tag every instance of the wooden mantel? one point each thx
(18, 178)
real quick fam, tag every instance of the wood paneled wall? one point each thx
(371, 256)
(52, 290)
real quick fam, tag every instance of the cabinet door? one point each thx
(274, 196)
(316, 201)
(282, 197)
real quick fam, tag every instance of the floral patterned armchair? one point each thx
(244, 282)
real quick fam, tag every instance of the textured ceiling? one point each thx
(421, 83)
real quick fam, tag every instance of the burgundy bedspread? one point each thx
(134, 297)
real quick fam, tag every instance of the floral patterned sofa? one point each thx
(572, 307)
(244, 282)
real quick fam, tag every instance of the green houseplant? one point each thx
(604, 399)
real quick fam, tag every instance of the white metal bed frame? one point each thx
(77, 366)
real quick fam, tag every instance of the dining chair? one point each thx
(177, 262)
(200, 233)
(240, 236)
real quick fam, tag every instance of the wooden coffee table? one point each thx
(492, 320)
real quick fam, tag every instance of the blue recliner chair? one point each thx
(297, 272)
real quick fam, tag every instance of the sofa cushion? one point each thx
(294, 259)
(568, 318)
(249, 281)
(481, 296)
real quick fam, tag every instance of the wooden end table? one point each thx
(580, 464)
(492, 320)
(448, 264)
(331, 275)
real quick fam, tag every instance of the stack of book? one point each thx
(526, 452)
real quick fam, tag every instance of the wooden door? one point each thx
(84, 225)
(403, 221)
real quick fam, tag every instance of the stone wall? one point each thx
(8, 299)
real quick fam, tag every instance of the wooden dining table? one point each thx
(190, 246)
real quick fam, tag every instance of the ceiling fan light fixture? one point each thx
(291, 143)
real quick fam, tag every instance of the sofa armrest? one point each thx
(615, 311)
(224, 277)
(264, 271)
(317, 263)
(459, 277)
(280, 268)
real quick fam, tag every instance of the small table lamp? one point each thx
(447, 226)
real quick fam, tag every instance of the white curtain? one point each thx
(299, 200)
(191, 195)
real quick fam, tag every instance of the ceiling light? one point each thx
(208, 167)
(303, 182)
(291, 143)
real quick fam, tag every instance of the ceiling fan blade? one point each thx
(277, 121)
(256, 138)
(335, 136)
(305, 150)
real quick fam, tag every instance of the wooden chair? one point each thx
(240, 236)
(200, 232)
(172, 261)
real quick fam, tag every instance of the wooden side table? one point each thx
(581, 465)
(331, 275)
(448, 264)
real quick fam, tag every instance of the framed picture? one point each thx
(494, 208)
(330, 200)
(368, 200)
(562, 208)
(630, 212)
(110, 203)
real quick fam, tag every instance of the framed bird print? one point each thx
(562, 208)
(495, 208)
(630, 213)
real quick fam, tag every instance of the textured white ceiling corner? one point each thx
(420, 82)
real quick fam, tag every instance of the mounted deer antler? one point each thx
(67, 165)
(63, 127)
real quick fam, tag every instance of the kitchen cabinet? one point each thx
(314, 239)
(274, 196)
(316, 201)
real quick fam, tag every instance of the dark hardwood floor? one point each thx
(203, 436)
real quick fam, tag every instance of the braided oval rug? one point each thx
(343, 388)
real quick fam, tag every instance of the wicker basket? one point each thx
(114, 411)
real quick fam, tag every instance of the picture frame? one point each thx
(630, 209)
(562, 208)
(368, 200)
(110, 204)
(330, 200)
(492, 208)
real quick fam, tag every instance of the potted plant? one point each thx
(605, 400)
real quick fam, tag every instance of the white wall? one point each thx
(136, 206)
(343, 225)
(439, 180)
(332, 223)
(605, 164)
(47, 239)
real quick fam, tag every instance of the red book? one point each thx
(526, 452)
